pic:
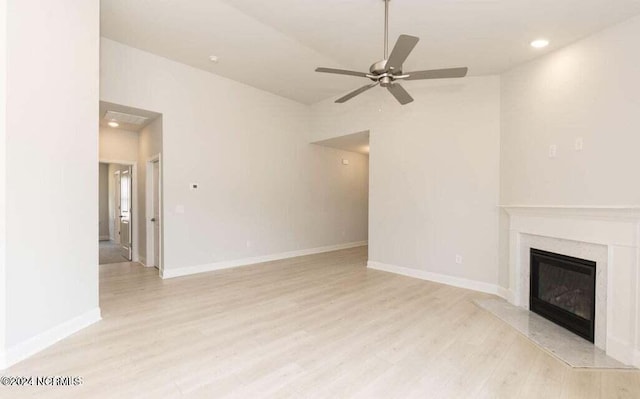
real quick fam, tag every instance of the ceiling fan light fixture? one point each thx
(540, 43)
(388, 72)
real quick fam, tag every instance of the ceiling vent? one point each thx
(125, 118)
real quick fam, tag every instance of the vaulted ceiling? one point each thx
(276, 45)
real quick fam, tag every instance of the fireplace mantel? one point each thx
(610, 212)
(615, 227)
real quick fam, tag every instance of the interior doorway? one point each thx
(124, 210)
(117, 241)
(352, 157)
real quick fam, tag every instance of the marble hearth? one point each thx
(557, 341)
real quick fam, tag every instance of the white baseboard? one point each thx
(35, 344)
(185, 271)
(143, 262)
(438, 278)
(622, 351)
(506, 294)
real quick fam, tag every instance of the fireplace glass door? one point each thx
(563, 291)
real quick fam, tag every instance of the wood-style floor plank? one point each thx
(320, 326)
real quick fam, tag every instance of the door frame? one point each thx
(149, 213)
(135, 255)
(116, 206)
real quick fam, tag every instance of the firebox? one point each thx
(563, 290)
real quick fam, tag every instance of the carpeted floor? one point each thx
(110, 252)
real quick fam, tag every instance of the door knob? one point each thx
(153, 219)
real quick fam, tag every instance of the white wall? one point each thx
(434, 174)
(588, 90)
(3, 125)
(51, 203)
(118, 145)
(150, 146)
(263, 188)
(103, 201)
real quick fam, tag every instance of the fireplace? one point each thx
(563, 290)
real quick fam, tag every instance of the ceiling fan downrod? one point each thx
(386, 29)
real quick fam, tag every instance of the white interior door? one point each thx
(125, 212)
(155, 219)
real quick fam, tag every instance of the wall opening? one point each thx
(130, 153)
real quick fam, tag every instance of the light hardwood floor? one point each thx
(321, 326)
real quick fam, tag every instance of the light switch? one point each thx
(579, 144)
(345, 162)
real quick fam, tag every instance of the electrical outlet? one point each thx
(553, 151)
(579, 144)
(459, 259)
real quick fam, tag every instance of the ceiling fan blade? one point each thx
(341, 72)
(401, 51)
(438, 74)
(355, 93)
(400, 94)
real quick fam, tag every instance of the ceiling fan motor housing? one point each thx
(379, 67)
(383, 75)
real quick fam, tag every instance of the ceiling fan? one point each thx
(386, 72)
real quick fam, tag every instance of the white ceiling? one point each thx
(276, 45)
(356, 142)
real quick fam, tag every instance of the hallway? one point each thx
(110, 252)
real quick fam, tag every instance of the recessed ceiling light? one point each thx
(113, 124)
(214, 59)
(540, 43)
